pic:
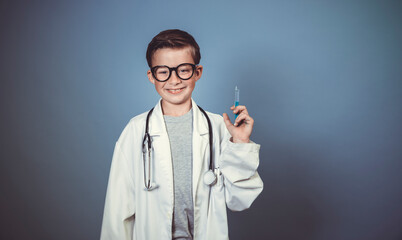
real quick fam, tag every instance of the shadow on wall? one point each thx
(291, 205)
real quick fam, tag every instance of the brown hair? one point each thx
(173, 38)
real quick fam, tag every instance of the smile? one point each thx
(175, 91)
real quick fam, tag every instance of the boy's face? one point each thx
(175, 91)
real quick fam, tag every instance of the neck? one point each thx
(175, 110)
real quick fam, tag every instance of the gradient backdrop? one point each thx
(322, 80)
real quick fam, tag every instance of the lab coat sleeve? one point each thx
(238, 164)
(118, 217)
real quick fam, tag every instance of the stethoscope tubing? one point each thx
(147, 148)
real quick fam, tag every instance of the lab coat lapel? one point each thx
(156, 122)
(161, 147)
(200, 144)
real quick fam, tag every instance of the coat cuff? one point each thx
(240, 161)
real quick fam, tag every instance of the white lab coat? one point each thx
(133, 213)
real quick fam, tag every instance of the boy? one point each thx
(159, 184)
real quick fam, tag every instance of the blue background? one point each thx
(322, 79)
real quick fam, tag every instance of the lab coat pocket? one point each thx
(217, 211)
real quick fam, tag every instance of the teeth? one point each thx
(175, 90)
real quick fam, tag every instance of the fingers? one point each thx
(243, 117)
(242, 113)
(239, 109)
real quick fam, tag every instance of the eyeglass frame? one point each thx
(171, 69)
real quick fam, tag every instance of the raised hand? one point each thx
(242, 127)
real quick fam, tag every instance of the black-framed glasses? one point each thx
(162, 73)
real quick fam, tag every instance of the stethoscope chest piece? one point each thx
(209, 178)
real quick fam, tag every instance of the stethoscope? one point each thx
(209, 176)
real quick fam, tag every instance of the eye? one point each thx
(185, 69)
(162, 71)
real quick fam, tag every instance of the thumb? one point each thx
(226, 119)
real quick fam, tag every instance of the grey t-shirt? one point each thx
(180, 131)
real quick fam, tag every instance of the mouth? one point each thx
(176, 90)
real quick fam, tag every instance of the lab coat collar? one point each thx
(157, 123)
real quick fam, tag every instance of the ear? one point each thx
(150, 77)
(198, 72)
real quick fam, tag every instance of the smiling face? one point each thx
(175, 92)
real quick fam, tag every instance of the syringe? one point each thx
(237, 99)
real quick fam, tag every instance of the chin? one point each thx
(177, 100)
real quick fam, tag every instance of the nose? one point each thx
(174, 79)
